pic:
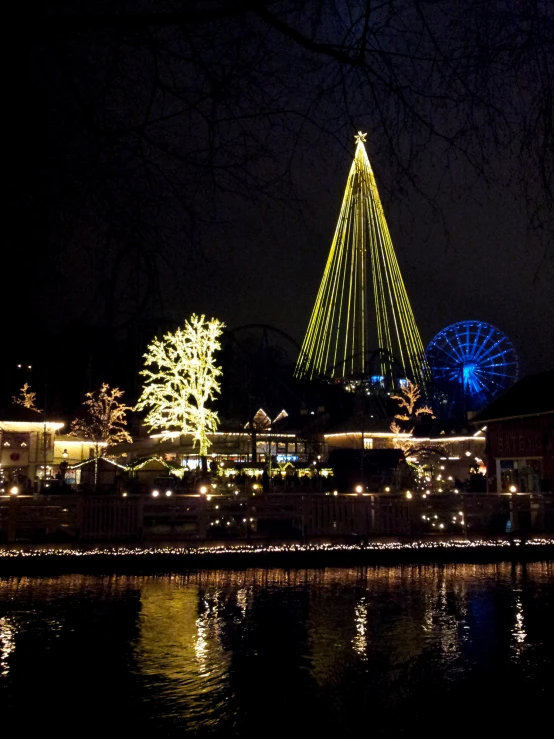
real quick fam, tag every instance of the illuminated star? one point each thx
(360, 137)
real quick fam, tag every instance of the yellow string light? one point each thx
(362, 303)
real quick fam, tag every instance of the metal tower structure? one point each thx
(362, 325)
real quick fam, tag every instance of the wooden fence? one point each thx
(301, 515)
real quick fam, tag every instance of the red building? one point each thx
(520, 436)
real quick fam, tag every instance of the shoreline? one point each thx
(131, 560)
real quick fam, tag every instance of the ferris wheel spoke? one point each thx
(476, 342)
(491, 360)
(455, 352)
(486, 344)
(453, 362)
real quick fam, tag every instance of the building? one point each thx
(75, 449)
(27, 444)
(520, 436)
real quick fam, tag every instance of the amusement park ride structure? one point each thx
(362, 329)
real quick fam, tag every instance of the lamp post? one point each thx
(12, 514)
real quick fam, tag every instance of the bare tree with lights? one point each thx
(410, 410)
(183, 379)
(105, 417)
(26, 398)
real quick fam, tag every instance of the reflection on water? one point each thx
(7, 644)
(334, 651)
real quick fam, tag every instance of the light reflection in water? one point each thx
(7, 644)
(205, 646)
(360, 622)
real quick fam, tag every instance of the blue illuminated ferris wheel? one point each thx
(471, 362)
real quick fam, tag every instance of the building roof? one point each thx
(18, 418)
(531, 396)
(16, 413)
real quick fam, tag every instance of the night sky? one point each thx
(193, 158)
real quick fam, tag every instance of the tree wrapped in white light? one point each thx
(106, 417)
(181, 377)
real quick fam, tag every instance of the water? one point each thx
(337, 652)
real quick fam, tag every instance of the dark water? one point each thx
(455, 650)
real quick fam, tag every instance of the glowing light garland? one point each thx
(362, 267)
(249, 549)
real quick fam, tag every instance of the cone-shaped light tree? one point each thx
(181, 377)
(362, 306)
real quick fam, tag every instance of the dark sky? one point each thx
(159, 167)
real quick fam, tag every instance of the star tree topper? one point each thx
(360, 137)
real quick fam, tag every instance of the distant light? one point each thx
(409, 495)
(14, 490)
(441, 526)
(468, 454)
(203, 490)
(513, 489)
(124, 495)
(155, 493)
(387, 490)
(335, 492)
(168, 493)
(359, 488)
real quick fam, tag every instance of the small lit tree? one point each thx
(105, 417)
(183, 379)
(26, 398)
(410, 410)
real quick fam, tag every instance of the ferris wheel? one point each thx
(472, 362)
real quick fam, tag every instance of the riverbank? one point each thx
(20, 560)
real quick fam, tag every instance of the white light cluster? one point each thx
(246, 549)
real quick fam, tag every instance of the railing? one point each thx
(270, 515)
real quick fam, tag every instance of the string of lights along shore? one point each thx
(362, 324)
